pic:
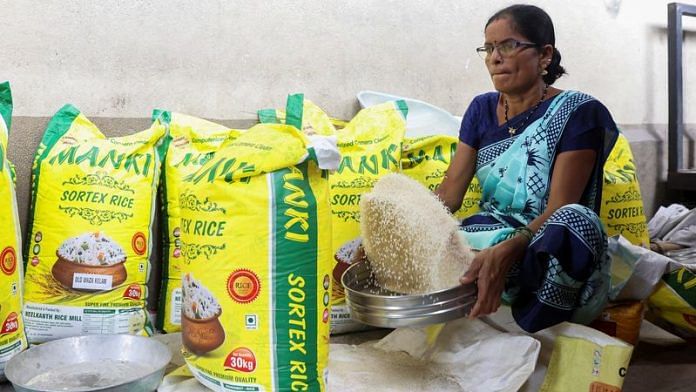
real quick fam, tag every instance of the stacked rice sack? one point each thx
(622, 204)
(370, 146)
(426, 159)
(190, 143)
(12, 338)
(92, 210)
(256, 286)
(314, 119)
(674, 299)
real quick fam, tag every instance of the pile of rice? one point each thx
(410, 238)
(199, 302)
(92, 249)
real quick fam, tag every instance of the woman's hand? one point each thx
(489, 270)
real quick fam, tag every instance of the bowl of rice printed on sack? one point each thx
(89, 262)
(344, 257)
(201, 331)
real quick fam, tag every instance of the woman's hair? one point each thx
(536, 25)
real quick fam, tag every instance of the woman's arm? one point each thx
(570, 176)
(569, 179)
(457, 178)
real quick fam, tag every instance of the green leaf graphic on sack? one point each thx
(683, 281)
(675, 299)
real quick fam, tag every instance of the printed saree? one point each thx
(564, 275)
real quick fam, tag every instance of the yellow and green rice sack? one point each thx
(189, 144)
(426, 159)
(314, 119)
(622, 204)
(370, 147)
(93, 205)
(12, 337)
(674, 299)
(256, 286)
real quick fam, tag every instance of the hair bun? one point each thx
(555, 69)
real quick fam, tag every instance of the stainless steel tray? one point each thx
(90, 363)
(373, 305)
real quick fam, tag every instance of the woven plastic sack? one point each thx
(257, 250)
(314, 120)
(370, 146)
(586, 360)
(93, 205)
(426, 159)
(190, 143)
(622, 204)
(675, 299)
(12, 337)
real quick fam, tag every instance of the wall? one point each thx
(117, 60)
(226, 59)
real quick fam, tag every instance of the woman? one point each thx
(538, 153)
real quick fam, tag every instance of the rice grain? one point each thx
(411, 238)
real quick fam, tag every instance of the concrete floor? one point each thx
(657, 368)
(653, 368)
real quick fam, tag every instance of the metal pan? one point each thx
(90, 363)
(373, 305)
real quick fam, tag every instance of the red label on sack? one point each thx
(241, 359)
(11, 324)
(602, 387)
(243, 286)
(8, 260)
(139, 243)
(691, 319)
(133, 292)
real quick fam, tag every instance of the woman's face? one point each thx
(517, 71)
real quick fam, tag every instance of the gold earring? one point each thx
(544, 72)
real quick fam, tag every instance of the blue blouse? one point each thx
(584, 130)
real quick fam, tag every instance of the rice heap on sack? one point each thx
(92, 249)
(199, 302)
(410, 238)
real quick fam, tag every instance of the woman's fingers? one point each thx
(488, 301)
(474, 311)
(484, 306)
(491, 306)
(482, 299)
(484, 272)
(472, 273)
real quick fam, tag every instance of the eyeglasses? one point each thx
(506, 48)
